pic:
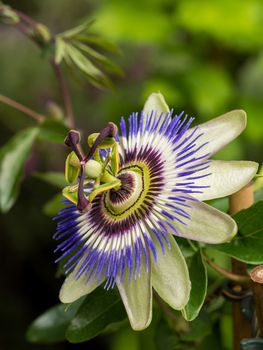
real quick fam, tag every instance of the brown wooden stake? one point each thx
(257, 287)
(242, 328)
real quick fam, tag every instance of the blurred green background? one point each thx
(206, 57)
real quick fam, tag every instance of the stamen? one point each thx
(110, 130)
(72, 140)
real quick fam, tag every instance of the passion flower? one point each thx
(134, 192)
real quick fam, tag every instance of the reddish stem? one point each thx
(8, 101)
(242, 327)
(65, 94)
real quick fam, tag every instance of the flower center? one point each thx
(121, 202)
(126, 189)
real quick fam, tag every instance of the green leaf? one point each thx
(73, 47)
(50, 327)
(54, 178)
(248, 250)
(247, 246)
(82, 62)
(83, 27)
(198, 277)
(100, 309)
(12, 157)
(92, 73)
(59, 50)
(100, 42)
(98, 57)
(53, 130)
(250, 221)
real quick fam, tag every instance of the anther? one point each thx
(109, 131)
(113, 129)
(73, 138)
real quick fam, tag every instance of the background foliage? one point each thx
(205, 57)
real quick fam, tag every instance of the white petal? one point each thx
(170, 276)
(137, 298)
(156, 102)
(221, 130)
(207, 224)
(226, 178)
(72, 288)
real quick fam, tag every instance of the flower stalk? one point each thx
(65, 94)
(242, 279)
(18, 106)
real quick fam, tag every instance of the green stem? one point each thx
(18, 106)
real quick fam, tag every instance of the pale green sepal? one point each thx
(170, 276)
(206, 224)
(219, 131)
(226, 177)
(156, 102)
(71, 193)
(72, 168)
(136, 295)
(72, 288)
